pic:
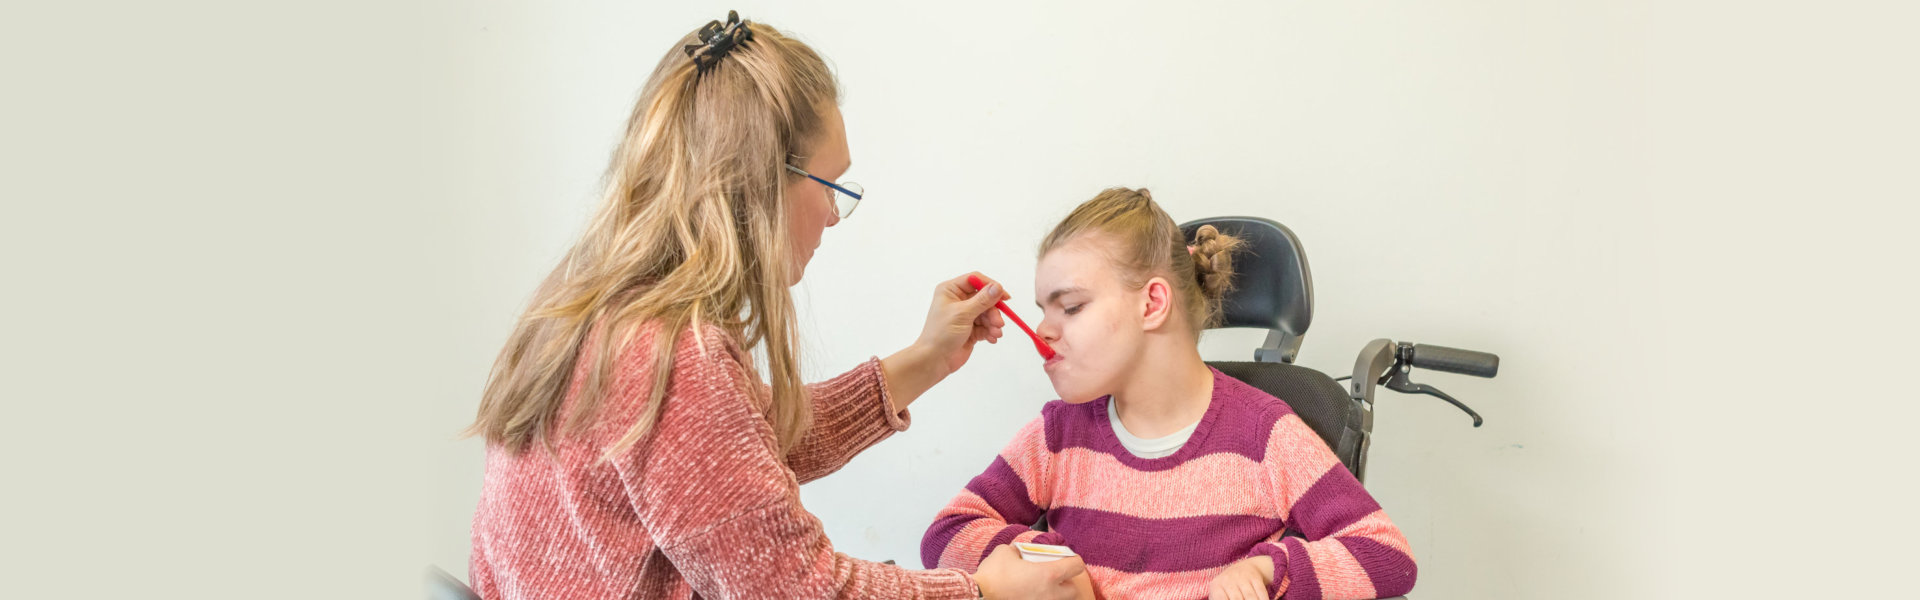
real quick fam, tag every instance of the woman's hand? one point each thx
(959, 318)
(1243, 580)
(1005, 576)
(1083, 586)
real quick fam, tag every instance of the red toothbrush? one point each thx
(1046, 351)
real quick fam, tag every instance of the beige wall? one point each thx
(260, 260)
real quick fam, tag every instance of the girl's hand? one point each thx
(1244, 580)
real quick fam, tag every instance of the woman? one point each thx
(633, 450)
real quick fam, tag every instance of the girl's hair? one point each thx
(692, 229)
(1143, 242)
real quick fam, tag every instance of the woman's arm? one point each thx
(714, 494)
(856, 410)
(851, 413)
(997, 507)
(1351, 550)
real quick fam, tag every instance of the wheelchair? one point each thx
(1273, 290)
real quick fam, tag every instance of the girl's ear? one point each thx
(1159, 305)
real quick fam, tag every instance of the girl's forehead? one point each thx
(1064, 262)
(1080, 252)
(1073, 266)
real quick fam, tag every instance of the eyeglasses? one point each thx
(845, 195)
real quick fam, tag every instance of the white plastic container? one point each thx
(1042, 552)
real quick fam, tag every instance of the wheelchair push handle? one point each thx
(1388, 363)
(1454, 360)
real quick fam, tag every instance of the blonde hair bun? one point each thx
(1213, 261)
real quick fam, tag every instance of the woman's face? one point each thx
(1095, 322)
(810, 208)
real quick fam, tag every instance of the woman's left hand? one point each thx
(959, 318)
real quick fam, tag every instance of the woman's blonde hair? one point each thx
(692, 229)
(1145, 242)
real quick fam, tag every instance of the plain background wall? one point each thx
(259, 260)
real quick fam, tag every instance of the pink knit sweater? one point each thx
(703, 506)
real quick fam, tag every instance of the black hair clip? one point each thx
(717, 39)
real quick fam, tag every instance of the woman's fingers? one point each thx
(968, 288)
(991, 336)
(957, 289)
(969, 306)
(965, 283)
(987, 328)
(989, 321)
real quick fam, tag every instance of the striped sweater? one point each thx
(1253, 480)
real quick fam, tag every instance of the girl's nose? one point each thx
(1048, 332)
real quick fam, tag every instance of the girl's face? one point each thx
(1095, 322)
(810, 209)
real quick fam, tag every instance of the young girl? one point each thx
(1170, 479)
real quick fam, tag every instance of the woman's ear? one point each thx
(1159, 305)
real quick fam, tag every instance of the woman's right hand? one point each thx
(1006, 576)
(959, 318)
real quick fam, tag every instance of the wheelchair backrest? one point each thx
(1273, 290)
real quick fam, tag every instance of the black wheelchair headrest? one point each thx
(1272, 286)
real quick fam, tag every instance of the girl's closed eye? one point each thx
(1075, 309)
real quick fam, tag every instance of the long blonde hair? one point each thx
(1145, 242)
(692, 229)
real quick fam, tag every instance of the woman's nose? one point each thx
(833, 211)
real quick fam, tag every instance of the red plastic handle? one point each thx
(1046, 352)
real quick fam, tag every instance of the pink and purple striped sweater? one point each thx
(1252, 480)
